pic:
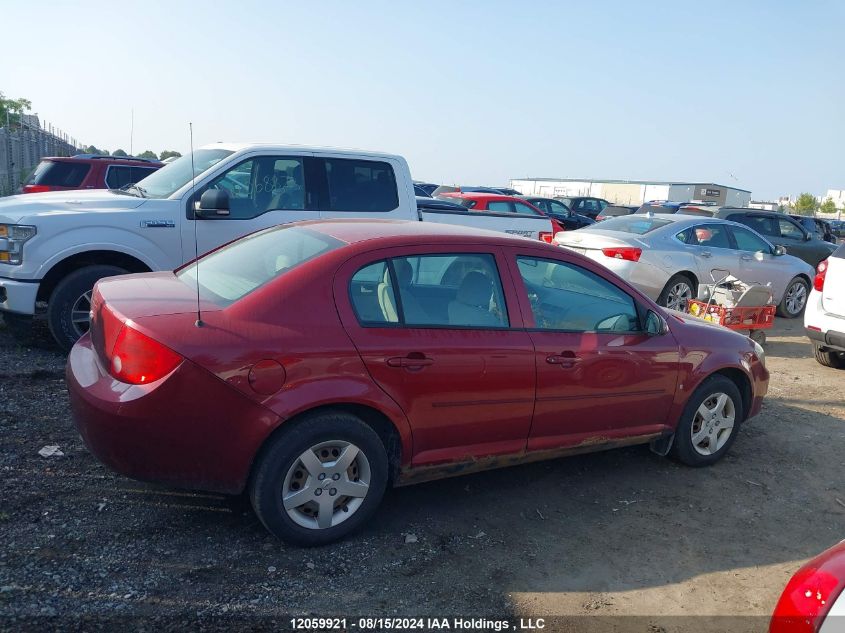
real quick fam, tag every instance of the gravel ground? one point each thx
(621, 540)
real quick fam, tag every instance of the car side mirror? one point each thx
(808, 237)
(213, 202)
(654, 324)
(780, 250)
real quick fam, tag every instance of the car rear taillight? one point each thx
(628, 253)
(821, 273)
(35, 188)
(546, 237)
(805, 601)
(137, 359)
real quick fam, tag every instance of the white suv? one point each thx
(824, 319)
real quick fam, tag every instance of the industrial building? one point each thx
(633, 192)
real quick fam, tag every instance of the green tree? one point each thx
(12, 109)
(91, 149)
(168, 153)
(119, 152)
(828, 206)
(806, 204)
(148, 154)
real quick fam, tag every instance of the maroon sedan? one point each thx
(334, 358)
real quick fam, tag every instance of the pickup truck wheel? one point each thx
(829, 358)
(794, 299)
(70, 303)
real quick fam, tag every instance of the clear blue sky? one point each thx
(472, 92)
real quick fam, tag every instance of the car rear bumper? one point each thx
(823, 327)
(831, 338)
(18, 296)
(187, 429)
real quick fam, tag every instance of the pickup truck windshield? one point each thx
(170, 178)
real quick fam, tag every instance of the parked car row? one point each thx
(668, 256)
(88, 171)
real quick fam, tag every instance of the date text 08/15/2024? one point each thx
(415, 624)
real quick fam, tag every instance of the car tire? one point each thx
(69, 296)
(282, 471)
(829, 358)
(673, 287)
(694, 434)
(794, 299)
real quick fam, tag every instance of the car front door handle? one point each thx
(706, 254)
(410, 362)
(746, 258)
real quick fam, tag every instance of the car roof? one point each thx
(388, 233)
(91, 158)
(479, 195)
(296, 149)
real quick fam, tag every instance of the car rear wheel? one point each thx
(794, 299)
(70, 304)
(678, 291)
(319, 480)
(709, 423)
(829, 358)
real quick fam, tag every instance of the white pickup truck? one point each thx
(55, 246)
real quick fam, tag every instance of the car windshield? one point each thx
(173, 176)
(229, 274)
(638, 225)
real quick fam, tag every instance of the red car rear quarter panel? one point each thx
(292, 321)
(184, 429)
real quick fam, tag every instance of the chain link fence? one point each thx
(22, 149)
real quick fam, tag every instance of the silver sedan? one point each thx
(668, 256)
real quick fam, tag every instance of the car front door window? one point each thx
(790, 230)
(263, 184)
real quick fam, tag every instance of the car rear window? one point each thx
(635, 224)
(59, 173)
(229, 274)
(361, 185)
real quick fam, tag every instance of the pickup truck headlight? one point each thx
(12, 239)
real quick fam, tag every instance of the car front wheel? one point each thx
(319, 480)
(709, 423)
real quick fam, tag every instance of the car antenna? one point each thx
(198, 322)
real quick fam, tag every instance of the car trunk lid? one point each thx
(833, 297)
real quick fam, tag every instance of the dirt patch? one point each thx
(621, 533)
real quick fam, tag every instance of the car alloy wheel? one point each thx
(80, 314)
(796, 297)
(678, 296)
(326, 484)
(713, 424)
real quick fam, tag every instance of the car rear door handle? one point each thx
(410, 361)
(564, 359)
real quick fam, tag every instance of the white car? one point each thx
(824, 319)
(55, 246)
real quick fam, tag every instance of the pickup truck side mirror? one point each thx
(780, 250)
(213, 202)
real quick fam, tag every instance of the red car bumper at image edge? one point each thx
(169, 431)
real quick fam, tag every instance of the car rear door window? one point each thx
(567, 297)
(790, 230)
(748, 241)
(710, 235)
(118, 176)
(760, 223)
(461, 290)
(523, 209)
(360, 185)
(500, 206)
